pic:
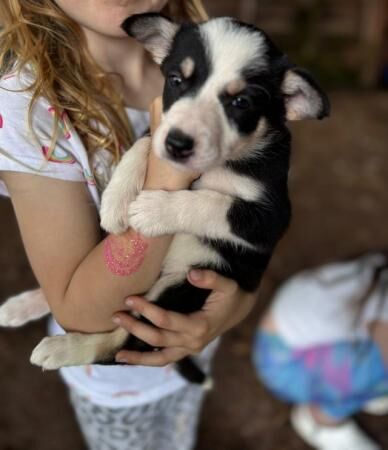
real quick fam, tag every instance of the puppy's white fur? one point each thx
(127, 181)
(231, 183)
(76, 349)
(303, 102)
(202, 213)
(22, 308)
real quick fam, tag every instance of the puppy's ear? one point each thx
(154, 31)
(304, 99)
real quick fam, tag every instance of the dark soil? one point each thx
(338, 182)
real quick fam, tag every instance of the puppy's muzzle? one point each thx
(179, 146)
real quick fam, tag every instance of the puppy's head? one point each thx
(227, 86)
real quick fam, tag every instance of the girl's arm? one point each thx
(60, 229)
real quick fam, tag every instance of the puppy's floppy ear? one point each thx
(304, 99)
(155, 31)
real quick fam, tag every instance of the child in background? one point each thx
(74, 95)
(323, 346)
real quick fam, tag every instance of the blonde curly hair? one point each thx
(37, 33)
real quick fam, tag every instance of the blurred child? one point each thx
(323, 346)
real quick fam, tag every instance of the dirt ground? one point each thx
(338, 182)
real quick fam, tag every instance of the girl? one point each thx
(74, 91)
(323, 346)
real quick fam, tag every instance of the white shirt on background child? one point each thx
(322, 306)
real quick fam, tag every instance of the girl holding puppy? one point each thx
(74, 95)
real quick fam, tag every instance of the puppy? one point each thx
(228, 95)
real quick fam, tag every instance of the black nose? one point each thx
(179, 145)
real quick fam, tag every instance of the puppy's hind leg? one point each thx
(22, 308)
(76, 349)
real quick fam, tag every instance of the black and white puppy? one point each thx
(228, 94)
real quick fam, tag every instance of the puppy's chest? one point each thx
(230, 183)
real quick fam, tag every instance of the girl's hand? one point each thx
(180, 335)
(160, 173)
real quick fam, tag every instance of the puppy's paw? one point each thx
(114, 211)
(150, 214)
(59, 351)
(126, 183)
(23, 308)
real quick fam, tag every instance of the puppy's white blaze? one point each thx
(204, 126)
(231, 49)
(228, 182)
(173, 118)
(185, 251)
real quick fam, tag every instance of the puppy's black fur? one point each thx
(228, 94)
(260, 223)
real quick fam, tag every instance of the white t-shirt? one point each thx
(20, 151)
(320, 306)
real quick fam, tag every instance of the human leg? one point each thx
(167, 424)
(176, 427)
(328, 382)
(340, 377)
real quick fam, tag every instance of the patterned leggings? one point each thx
(168, 424)
(339, 378)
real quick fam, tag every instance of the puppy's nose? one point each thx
(179, 145)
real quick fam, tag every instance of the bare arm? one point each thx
(60, 229)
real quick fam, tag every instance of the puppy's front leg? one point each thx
(202, 213)
(76, 349)
(127, 181)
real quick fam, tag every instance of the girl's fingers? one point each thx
(154, 359)
(161, 318)
(147, 333)
(207, 279)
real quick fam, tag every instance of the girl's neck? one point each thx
(126, 57)
(113, 54)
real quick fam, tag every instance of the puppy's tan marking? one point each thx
(187, 67)
(246, 144)
(235, 86)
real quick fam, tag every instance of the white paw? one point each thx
(114, 210)
(150, 214)
(127, 181)
(22, 308)
(59, 351)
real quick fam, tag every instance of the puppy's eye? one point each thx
(241, 102)
(175, 79)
